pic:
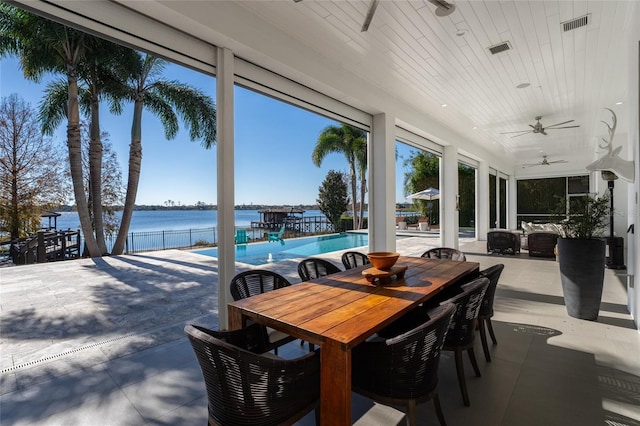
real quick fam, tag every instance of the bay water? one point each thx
(172, 220)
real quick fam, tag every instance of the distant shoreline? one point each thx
(197, 207)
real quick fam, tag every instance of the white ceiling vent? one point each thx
(498, 48)
(575, 23)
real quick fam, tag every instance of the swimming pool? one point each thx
(258, 253)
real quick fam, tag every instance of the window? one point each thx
(538, 199)
(492, 202)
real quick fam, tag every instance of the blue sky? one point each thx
(274, 142)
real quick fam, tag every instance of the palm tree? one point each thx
(361, 163)
(351, 142)
(98, 83)
(45, 46)
(166, 99)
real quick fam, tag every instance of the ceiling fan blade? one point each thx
(521, 134)
(565, 127)
(524, 166)
(543, 132)
(440, 3)
(557, 161)
(367, 20)
(517, 131)
(560, 124)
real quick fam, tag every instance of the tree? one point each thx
(166, 99)
(31, 178)
(351, 142)
(424, 172)
(97, 81)
(332, 197)
(46, 46)
(111, 185)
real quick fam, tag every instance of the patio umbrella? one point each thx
(426, 194)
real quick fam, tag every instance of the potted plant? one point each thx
(581, 254)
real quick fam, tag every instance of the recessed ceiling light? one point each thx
(444, 105)
(523, 85)
(618, 103)
(474, 127)
(461, 32)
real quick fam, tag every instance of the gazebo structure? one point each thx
(49, 216)
(273, 218)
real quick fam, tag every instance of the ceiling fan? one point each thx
(539, 128)
(544, 162)
(443, 9)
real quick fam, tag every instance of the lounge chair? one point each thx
(241, 236)
(276, 236)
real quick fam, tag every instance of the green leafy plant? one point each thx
(587, 216)
(332, 197)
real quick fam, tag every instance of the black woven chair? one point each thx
(444, 253)
(403, 370)
(486, 309)
(245, 388)
(462, 329)
(313, 267)
(353, 259)
(258, 281)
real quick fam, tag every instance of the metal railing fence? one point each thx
(189, 238)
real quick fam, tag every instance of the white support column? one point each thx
(226, 187)
(633, 153)
(449, 219)
(497, 223)
(512, 203)
(482, 201)
(382, 188)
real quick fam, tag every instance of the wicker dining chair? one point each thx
(403, 370)
(461, 332)
(444, 253)
(353, 259)
(313, 267)
(486, 309)
(258, 281)
(245, 388)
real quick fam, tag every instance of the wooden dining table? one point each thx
(341, 310)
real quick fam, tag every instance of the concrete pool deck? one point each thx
(109, 307)
(101, 342)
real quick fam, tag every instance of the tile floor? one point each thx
(101, 342)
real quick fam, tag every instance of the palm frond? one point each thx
(52, 109)
(196, 109)
(163, 110)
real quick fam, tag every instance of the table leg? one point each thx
(335, 384)
(236, 320)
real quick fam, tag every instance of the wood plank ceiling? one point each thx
(426, 61)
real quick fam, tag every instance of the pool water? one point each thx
(258, 253)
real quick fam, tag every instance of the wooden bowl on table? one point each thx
(383, 259)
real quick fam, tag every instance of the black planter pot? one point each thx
(582, 274)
